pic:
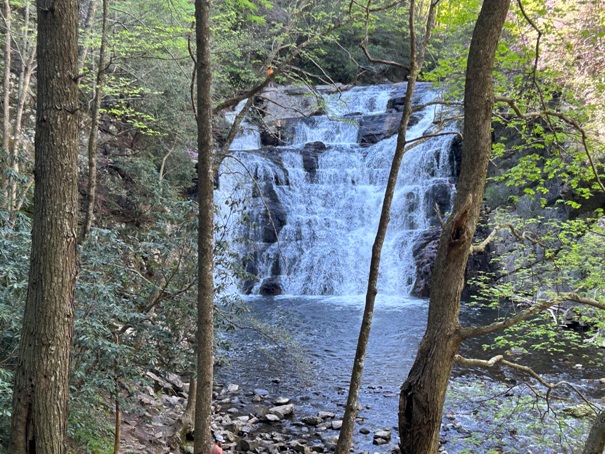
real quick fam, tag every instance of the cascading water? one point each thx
(312, 205)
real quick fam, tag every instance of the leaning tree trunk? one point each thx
(42, 376)
(345, 438)
(595, 443)
(205, 299)
(423, 394)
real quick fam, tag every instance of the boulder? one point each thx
(248, 445)
(271, 286)
(374, 128)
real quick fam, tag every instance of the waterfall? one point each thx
(304, 215)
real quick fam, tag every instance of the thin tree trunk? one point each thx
(205, 302)
(6, 84)
(117, 435)
(27, 69)
(87, 31)
(25, 75)
(94, 129)
(40, 394)
(416, 60)
(423, 393)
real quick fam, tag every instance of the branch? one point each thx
(474, 331)
(277, 70)
(364, 42)
(499, 359)
(521, 236)
(570, 121)
(583, 300)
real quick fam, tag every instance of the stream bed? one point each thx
(303, 348)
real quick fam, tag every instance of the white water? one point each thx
(324, 248)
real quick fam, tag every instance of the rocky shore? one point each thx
(250, 421)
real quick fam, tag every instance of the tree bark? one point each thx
(423, 393)
(205, 301)
(595, 443)
(41, 388)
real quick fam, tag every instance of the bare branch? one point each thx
(536, 308)
(583, 300)
(499, 360)
(521, 236)
(278, 69)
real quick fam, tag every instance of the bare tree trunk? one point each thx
(6, 85)
(40, 395)
(423, 393)
(94, 129)
(27, 69)
(205, 303)
(117, 434)
(595, 443)
(416, 60)
(87, 31)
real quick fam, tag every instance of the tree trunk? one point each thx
(42, 376)
(6, 84)
(94, 129)
(416, 60)
(28, 55)
(423, 393)
(184, 425)
(205, 302)
(87, 22)
(595, 443)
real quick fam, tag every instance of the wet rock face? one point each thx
(271, 286)
(374, 128)
(425, 251)
(310, 155)
(274, 217)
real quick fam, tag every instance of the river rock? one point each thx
(336, 425)
(233, 388)
(281, 401)
(326, 415)
(382, 437)
(312, 420)
(299, 446)
(282, 411)
(329, 441)
(248, 445)
(364, 430)
(270, 417)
